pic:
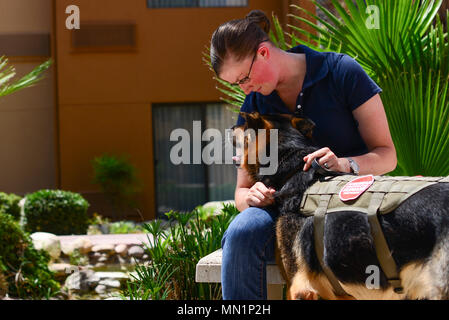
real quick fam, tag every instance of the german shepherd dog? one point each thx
(417, 232)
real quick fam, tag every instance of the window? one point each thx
(182, 187)
(104, 37)
(195, 3)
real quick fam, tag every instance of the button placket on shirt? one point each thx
(299, 105)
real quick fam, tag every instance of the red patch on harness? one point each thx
(354, 188)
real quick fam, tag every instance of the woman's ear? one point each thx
(303, 125)
(264, 51)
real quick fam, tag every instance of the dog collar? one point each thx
(322, 172)
(326, 172)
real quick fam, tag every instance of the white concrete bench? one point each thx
(208, 269)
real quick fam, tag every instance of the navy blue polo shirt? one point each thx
(334, 85)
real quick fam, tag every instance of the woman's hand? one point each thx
(259, 195)
(327, 159)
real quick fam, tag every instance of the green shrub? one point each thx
(121, 227)
(76, 258)
(9, 203)
(56, 211)
(117, 179)
(174, 254)
(23, 269)
(3, 282)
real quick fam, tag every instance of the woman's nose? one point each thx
(246, 87)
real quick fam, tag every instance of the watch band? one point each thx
(354, 166)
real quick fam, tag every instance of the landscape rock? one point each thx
(83, 245)
(112, 275)
(100, 265)
(95, 255)
(121, 249)
(82, 281)
(110, 283)
(102, 268)
(101, 289)
(48, 242)
(103, 258)
(122, 260)
(136, 252)
(108, 248)
(61, 269)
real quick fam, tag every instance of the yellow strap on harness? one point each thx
(318, 222)
(383, 252)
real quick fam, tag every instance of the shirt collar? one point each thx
(317, 67)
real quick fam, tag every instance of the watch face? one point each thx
(355, 166)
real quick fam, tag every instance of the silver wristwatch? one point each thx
(354, 166)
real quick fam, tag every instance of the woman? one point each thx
(329, 88)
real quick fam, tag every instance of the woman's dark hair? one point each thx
(240, 37)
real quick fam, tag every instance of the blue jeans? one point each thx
(248, 244)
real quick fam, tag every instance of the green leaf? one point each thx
(28, 80)
(408, 57)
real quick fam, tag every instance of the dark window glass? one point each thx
(182, 187)
(195, 3)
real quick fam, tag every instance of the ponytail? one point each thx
(259, 18)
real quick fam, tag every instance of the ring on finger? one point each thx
(326, 165)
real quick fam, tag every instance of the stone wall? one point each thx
(88, 268)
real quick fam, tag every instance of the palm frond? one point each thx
(7, 73)
(408, 56)
(278, 35)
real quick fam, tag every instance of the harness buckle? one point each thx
(396, 284)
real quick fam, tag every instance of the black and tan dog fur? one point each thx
(417, 231)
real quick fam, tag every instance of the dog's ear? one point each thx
(253, 120)
(303, 125)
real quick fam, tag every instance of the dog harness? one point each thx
(383, 196)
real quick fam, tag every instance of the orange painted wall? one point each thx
(104, 99)
(27, 154)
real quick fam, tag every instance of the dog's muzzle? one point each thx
(236, 160)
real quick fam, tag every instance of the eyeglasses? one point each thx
(247, 78)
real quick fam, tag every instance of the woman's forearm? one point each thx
(240, 198)
(378, 161)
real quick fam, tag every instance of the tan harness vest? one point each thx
(382, 197)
